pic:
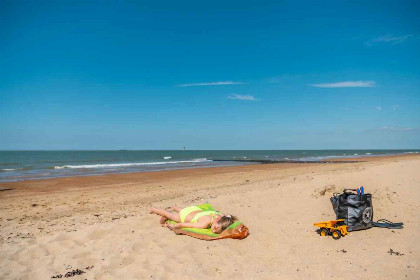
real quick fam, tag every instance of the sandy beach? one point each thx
(102, 225)
(113, 113)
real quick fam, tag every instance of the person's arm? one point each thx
(189, 225)
(176, 208)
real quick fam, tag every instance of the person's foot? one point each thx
(153, 211)
(163, 221)
(174, 207)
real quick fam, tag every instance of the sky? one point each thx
(209, 75)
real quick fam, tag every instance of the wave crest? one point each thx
(113, 165)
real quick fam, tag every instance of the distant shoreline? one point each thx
(46, 185)
(39, 165)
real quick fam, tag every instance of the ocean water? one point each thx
(28, 165)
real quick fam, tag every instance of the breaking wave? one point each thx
(113, 165)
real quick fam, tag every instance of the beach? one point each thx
(101, 224)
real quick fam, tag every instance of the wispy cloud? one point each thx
(212, 84)
(395, 107)
(242, 97)
(346, 84)
(379, 108)
(392, 128)
(394, 40)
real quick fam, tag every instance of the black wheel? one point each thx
(323, 232)
(336, 234)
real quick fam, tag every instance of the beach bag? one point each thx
(355, 208)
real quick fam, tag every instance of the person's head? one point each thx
(220, 223)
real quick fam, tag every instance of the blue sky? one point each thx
(214, 75)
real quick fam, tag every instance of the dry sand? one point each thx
(48, 226)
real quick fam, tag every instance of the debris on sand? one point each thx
(392, 252)
(72, 273)
(329, 189)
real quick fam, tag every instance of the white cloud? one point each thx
(391, 128)
(379, 108)
(394, 40)
(346, 84)
(212, 84)
(242, 97)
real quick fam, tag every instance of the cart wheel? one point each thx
(336, 234)
(323, 232)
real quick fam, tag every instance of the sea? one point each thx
(30, 165)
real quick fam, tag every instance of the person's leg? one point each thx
(171, 216)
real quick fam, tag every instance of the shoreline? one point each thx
(117, 177)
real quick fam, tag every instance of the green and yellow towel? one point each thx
(237, 230)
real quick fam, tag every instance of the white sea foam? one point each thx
(111, 165)
(318, 158)
(167, 157)
(8, 169)
(368, 153)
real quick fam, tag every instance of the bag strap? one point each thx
(383, 223)
(350, 191)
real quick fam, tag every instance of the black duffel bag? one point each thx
(355, 208)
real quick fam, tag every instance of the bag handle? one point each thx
(353, 191)
(346, 191)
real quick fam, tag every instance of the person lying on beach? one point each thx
(194, 217)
